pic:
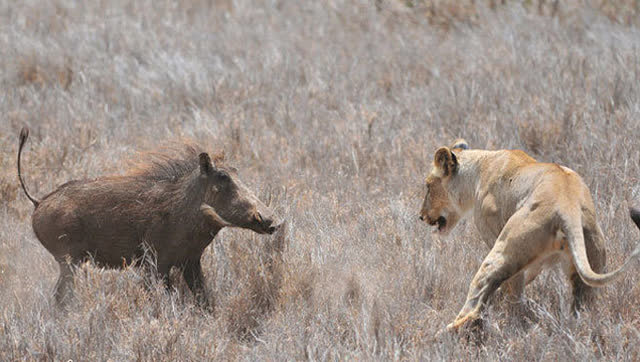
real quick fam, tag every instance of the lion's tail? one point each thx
(572, 227)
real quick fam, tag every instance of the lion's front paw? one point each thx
(460, 321)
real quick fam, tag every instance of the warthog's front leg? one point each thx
(163, 273)
(194, 277)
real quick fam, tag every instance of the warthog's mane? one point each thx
(170, 162)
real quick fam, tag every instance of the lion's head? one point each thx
(438, 209)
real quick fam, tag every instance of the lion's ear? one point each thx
(445, 161)
(460, 144)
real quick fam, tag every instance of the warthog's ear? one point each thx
(206, 168)
(445, 161)
(460, 144)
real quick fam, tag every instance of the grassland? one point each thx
(332, 111)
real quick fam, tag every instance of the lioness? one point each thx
(529, 213)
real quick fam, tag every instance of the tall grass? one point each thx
(332, 111)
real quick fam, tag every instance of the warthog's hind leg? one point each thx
(63, 290)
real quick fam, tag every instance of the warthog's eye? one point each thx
(223, 176)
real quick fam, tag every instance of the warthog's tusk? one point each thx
(209, 211)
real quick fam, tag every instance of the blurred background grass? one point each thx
(332, 111)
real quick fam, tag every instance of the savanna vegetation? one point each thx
(331, 110)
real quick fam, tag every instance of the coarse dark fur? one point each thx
(174, 201)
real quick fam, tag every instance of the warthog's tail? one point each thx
(24, 134)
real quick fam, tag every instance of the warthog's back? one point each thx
(109, 218)
(174, 202)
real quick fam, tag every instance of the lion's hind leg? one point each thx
(519, 244)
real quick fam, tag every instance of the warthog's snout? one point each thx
(267, 223)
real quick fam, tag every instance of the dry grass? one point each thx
(332, 110)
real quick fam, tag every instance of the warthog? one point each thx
(174, 204)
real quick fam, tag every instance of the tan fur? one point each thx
(530, 214)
